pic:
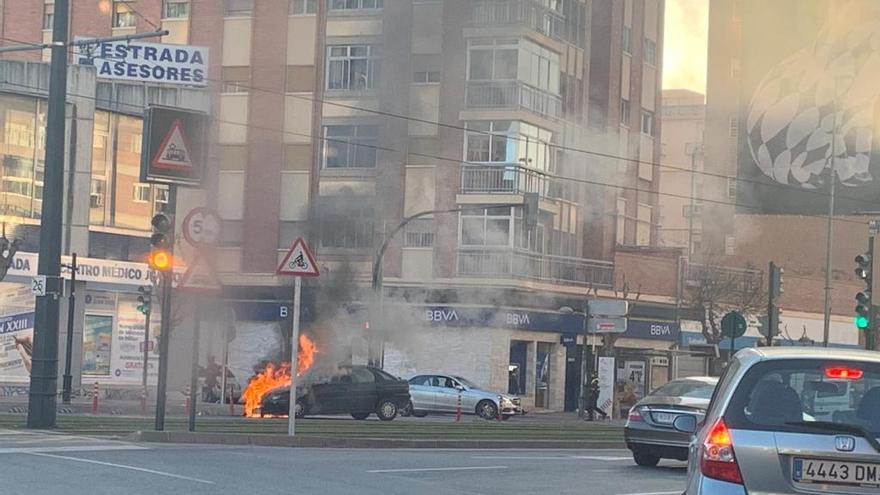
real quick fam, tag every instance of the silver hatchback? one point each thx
(789, 421)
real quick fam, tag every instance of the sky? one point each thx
(685, 40)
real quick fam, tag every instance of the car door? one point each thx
(331, 396)
(447, 394)
(422, 394)
(363, 393)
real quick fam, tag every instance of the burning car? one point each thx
(356, 390)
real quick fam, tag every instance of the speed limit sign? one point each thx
(201, 227)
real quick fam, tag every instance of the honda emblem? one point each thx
(845, 444)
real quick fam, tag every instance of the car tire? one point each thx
(647, 460)
(387, 410)
(487, 409)
(360, 415)
(407, 410)
(299, 410)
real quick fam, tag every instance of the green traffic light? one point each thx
(862, 322)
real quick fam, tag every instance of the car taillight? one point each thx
(718, 459)
(844, 373)
(635, 415)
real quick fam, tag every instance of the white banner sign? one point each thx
(146, 62)
(90, 270)
(606, 385)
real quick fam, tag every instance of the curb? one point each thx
(360, 443)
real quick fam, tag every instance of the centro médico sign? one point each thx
(146, 62)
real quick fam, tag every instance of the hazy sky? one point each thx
(685, 38)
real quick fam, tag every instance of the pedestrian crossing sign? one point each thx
(299, 261)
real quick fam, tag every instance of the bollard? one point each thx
(458, 408)
(95, 399)
(143, 404)
(187, 403)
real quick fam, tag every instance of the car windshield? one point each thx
(685, 388)
(467, 383)
(777, 395)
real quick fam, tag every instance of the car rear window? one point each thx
(774, 394)
(685, 388)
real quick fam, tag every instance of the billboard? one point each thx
(808, 106)
(145, 62)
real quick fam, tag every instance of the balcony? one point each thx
(723, 279)
(506, 179)
(512, 95)
(527, 13)
(524, 265)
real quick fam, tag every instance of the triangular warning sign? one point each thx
(200, 276)
(299, 261)
(174, 152)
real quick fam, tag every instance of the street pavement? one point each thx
(56, 464)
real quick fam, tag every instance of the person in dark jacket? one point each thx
(593, 399)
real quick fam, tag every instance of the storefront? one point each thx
(643, 359)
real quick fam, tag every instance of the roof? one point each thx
(710, 380)
(774, 353)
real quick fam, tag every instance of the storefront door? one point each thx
(542, 374)
(572, 376)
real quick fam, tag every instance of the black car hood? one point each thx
(690, 402)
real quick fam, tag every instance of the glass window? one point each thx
(352, 67)
(48, 15)
(235, 8)
(539, 67)
(486, 227)
(141, 193)
(685, 388)
(175, 9)
(347, 228)
(419, 234)
(362, 375)
(492, 60)
(624, 112)
(350, 146)
(516, 369)
(303, 7)
(97, 336)
(22, 150)
(627, 39)
(650, 55)
(647, 122)
(481, 146)
(123, 16)
(353, 4)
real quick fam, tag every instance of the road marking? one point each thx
(556, 458)
(70, 448)
(419, 470)
(677, 492)
(123, 466)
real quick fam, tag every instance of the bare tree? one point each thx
(713, 290)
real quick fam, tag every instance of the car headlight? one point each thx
(506, 402)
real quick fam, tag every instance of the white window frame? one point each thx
(48, 17)
(649, 49)
(237, 12)
(486, 217)
(626, 40)
(353, 142)
(137, 193)
(342, 5)
(177, 3)
(625, 112)
(372, 67)
(493, 45)
(302, 7)
(648, 123)
(128, 14)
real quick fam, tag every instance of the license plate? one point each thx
(663, 418)
(837, 472)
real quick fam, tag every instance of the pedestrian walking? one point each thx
(593, 399)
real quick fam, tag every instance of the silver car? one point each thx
(649, 433)
(439, 394)
(789, 420)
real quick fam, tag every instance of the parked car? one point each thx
(648, 431)
(759, 435)
(438, 394)
(356, 390)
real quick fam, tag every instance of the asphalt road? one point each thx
(57, 464)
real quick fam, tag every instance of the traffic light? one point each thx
(160, 243)
(530, 210)
(775, 290)
(864, 270)
(145, 299)
(776, 282)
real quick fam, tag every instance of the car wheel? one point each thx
(360, 415)
(299, 409)
(487, 409)
(387, 410)
(647, 460)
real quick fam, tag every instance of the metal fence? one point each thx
(529, 13)
(503, 179)
(512, 95)
(510, 263)
(743, 278)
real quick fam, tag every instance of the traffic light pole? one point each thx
(71, 313)
(44, 367)
(165, 332)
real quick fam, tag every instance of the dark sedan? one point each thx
(356, 390)
(649, 433)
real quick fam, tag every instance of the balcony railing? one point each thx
(508, 263)
(529, 13)
(505, 179)
(512, 95)
(724, 277)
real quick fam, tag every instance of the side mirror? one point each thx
(460, 388)
(685, 424)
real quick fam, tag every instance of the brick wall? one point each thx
(22, 21)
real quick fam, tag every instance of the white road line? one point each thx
(677, 492)
(419, 470)
(555, 458)
(123, 466)
(70, 448)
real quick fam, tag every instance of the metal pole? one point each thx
(693, 203)
(585, 368)
(294, 355)
(165, 331)
(68, 355)
(194, 394)
(225, 360)
(146, 349)
(829, 232)
(732, 348)
(44, 369)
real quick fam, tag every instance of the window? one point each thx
(238, 8)
(624, 112)
(486, 227)
(621, 221)
(424, 77)
(627, 39)
(362, 375)
(353, 4)
(141, 193)
(303, 7)
(347, 228)
(350, 146)
(650, 55)
(647, 122)
(352, 67)
(426, 68)
(729, 245)
(492, 60)
(235, 79)
(123, 16)
(419, 234)
(97, 193)
(481, 146)
(731, 188)
(96, 348)
(161, 201)
(733, 127)
(643, 226)
(175, 9)
(686, 210)
(48, 15)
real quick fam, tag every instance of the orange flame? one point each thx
(277, 376)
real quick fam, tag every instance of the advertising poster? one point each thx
(606, 385)
(97, 337)
(16, 346)
(127, 358)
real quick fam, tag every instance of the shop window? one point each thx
(97, 336)
(175, 9)
(123, 15)
(630, 387)
(516, 370)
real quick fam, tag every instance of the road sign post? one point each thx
(733, 326)
(298, 263)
